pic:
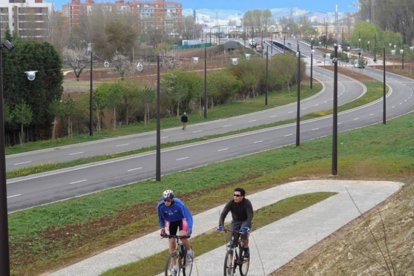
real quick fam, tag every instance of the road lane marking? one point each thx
(251, 121)
(356, 119)
(223, 149)
(122, 145)
(372, 114)
(79, 181)
(313, 129)
(22, 163)
(134, 169)
(290, 134)
(257, 142)
(165, 137)
(14, 196)
(182, 158)
(76, 153)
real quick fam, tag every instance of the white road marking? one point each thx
(76, 153)
(223, 149)
(79, 181)
(122, 145)
(290, 112)
(165, 137)
(22, 163)
(227, 125)
(182, 158)
(14, 196)
(372, 114)
(251, 121)
(134, 169)
(313, 129)
(257, 142)
(356, 119)
(290, 134)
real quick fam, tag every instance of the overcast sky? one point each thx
(244, 5)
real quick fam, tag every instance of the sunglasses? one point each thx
(237, 195)
(167, 200)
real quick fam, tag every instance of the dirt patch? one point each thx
(381, 242)
(352, 74)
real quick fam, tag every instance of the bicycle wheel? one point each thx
(243, 263)
(173, 266)
(229, 264)
(187, 267)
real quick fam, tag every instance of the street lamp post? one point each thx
(335, 116)
(90, 89)
(205, 83)
(384, 117)
(311, 67)
(158, 148)
(4, 226)
(267, 73)
(402, 58)
(298, 98)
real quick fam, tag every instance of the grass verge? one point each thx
(51, 236)
(154, 265)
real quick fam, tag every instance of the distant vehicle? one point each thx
(252, 43)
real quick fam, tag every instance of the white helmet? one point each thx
(168, 194)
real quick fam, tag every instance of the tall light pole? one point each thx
(4, 226)
(90, 90)
(335, 116)
(158, 148)
(205, 83)
(267, 73)
(384, 113)
(402, 58)
(298, 98)
(311, 66)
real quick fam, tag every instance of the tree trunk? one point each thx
(54, 129)
(127, 115)
(98, 127)
(114, 118)
(21, 135)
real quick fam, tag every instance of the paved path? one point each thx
(271, 246)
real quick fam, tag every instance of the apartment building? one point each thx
(27, 19)
(161, 13)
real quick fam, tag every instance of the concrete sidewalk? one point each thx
(271, 246)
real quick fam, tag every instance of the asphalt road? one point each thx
(348, 90)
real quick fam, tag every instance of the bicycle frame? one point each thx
(178, 257)
(234, 259)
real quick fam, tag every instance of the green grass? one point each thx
(49, 236)
(222, 111)
(154, 265)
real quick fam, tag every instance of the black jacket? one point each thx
(184, 119)
(240, 212)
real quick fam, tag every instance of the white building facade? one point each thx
(28, 19)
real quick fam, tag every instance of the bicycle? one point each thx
(234, 257)
(176, 262)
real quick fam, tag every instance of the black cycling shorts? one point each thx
(173, 226)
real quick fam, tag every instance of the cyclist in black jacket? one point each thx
(242, 214)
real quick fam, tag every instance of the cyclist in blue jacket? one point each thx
(173, 214)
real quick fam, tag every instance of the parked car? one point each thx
(252, 42)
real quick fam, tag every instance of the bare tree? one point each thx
(76, 58)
